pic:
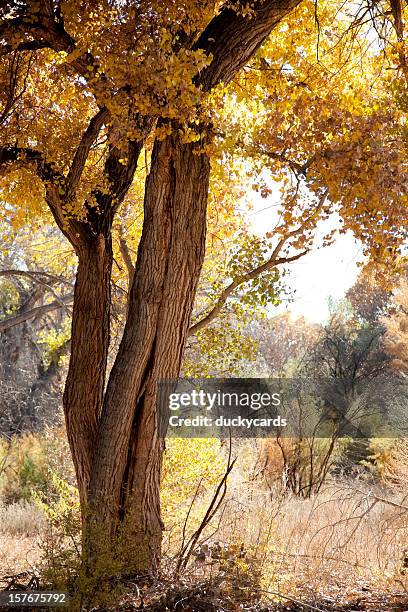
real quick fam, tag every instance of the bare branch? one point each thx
(17, 84)
(212, 510)
(39, 311)
(41, 278)
(82, 152)
(36, 275)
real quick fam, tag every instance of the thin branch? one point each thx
(268, 265)
(82, 152)
(293, 600)
(40, 30)
(36, 275)
(26, 156)
(296, 167)
(39, 311)
(384, 500)
(212, 509)
(271, 263)
(41, 280)
(317, 22)
(13, 95)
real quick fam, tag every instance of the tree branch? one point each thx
(232, 38)
(40, 278)
(25, 156)
(36, 275)
(398, 23)
(119, 175)
(34, 30)
(13, 92)
(82, 152)
(270, 263)
(296, 167)
(54, 182)
(39, 311)
(41, 29)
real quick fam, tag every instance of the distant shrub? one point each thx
(299, 466)
(389, 461)
(24, 468)
(26, 462)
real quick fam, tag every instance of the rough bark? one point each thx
(125, 477)
(89, 350)
(232, 37)
(113, 435)
(126, 469)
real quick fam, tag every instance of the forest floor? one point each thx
(209, 595)
(342, 549)
(202, 598)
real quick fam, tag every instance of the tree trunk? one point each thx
(90, 343)
(127, 461)
(114, 437)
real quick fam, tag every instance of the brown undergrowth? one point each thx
(232, 542)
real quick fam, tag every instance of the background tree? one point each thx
(283, 343)
(348, 351)
(369, 298)
(36, 293)
(396, 324)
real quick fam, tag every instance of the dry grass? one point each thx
(21, 519)
(18, 554)
(21, 528)
(345, 542)
(342, 539)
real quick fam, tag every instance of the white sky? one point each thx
(322, 274)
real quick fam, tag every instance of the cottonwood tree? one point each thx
(84, 89)
(112, 431)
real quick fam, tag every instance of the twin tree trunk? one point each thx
(113, 436)
(111, 424)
